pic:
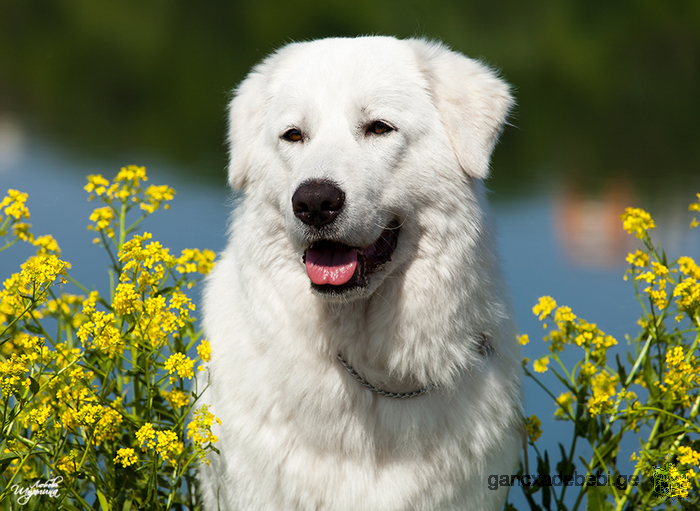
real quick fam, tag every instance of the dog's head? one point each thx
(349, 139)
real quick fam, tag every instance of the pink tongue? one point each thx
(333, 266)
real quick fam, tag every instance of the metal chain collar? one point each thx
(369, 386)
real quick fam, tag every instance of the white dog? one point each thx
(363, 348)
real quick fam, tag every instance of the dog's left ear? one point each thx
(473, 102)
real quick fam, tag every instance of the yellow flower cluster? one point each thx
(176, 398)
(100, 331)
(127, 185)
(103, 219)
(533, 428)
(14, 205)
(687, 292)
(571, 329)
(165, 443)
(564, 402)
(688, 456)
(639, 258)
(682, 377)
(695, 206)
(540, 365)
(193, 260)
(199, 430)
(180, 363)
(603, 388)
(146, 436)
(155, 196)
(544, 307)
(145, 264)
(12, 374)
(204, 350)
(62, 402)
(637, 221)
(659, 277)
(126, 457)
(29, 287)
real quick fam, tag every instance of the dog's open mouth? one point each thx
(334, 267)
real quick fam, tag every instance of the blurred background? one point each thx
(608, 99)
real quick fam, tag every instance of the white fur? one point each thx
(298, 432)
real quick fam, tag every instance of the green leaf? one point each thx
(34, 386)
(621, 368)
(104, 505)
(597, 498)
(33, 329)
(6, 460)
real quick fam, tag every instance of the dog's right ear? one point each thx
(246, 114)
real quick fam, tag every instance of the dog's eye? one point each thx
(379, 128)
(292, 135)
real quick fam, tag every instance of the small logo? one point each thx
(669, 482)
(47, 487)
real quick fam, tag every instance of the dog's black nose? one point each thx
(317, 202)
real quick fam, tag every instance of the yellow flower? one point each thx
(695, 206)
(126, 457)
(540, 365)
(204, 349)
(21, 230)
(39, 416)
(103, 218)
(109, 425)
(586, 372)
(564, 315)
(131, 175)
(681, 377)
(101, 327)
(522, 339)
(180, 363)
(545, 306)
(533, 427)
(126, 300)
(639, 258)
(194, 260)
(199, 430)
(176, 398)
(564, 405)
(156, 195)
(688, 456)
(637, 221)
(688, 267)
(67, 464)
(146, 436)
(46, 244)
(168, 445)
(603, 387)
(13, 204)
(96, 184)
(12, 373)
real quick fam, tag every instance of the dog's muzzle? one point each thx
(334, 267)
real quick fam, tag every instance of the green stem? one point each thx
(621, 503)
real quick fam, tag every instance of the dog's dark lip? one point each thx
(369, 259)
